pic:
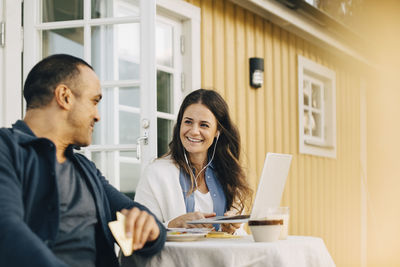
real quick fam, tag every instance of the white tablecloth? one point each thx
(296, 251)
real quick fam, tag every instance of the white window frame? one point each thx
(325, 144)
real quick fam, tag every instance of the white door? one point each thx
(138, 56)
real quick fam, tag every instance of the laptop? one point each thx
(269, 191)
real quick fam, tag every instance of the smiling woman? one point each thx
(201, 175)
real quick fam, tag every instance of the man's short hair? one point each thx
(46, 75)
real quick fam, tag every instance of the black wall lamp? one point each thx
(256, 72)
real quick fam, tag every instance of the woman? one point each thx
(201, 175)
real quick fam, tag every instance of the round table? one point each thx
(296, 251)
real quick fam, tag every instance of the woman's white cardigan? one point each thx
(159, 190)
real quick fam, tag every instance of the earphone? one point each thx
(218, 132)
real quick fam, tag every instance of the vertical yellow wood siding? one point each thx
(323, 194)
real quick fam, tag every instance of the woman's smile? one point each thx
(194, 140)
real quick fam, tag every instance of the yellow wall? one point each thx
(323, 194)
(382, 23)
(384, 171)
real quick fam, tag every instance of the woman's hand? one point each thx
(181, 221)
(230, 227)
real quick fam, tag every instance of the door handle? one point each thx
(145, 140)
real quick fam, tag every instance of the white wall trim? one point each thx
(11, 87)
(298, 24)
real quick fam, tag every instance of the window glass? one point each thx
(316, 96)
(129, 178)
(129, 96)
(306, 92)
(96, 137)
(61, 10)
(116, 51)
(164, 92)
(164, 45)
(307, 122)
(66, 41)
(316, 130)
(114, 8)
(128, 127)
(104, 130)
(100, 158)
(164, 135)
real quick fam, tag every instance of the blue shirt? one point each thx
(214, 186)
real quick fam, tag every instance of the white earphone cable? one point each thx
(212, 157)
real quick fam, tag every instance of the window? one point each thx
(317, 109)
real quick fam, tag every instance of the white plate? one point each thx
(174, 236)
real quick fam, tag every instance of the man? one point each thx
(54, 204)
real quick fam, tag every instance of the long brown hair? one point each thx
(227, 152)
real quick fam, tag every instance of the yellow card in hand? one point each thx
(118, 230)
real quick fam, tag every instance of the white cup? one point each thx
(280, 213)
(265, 230)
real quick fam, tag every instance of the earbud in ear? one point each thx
(218, 132)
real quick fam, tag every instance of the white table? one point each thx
(296, 251)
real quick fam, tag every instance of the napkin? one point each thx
(118, 230)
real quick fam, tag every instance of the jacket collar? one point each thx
(23, 133)
(25, 136)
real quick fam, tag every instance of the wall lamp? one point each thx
(256, 72)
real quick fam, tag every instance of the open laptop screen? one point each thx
(269, 191)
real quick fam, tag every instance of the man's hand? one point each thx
(181, 221)
(141, 226)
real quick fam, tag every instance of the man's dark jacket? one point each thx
(29, 204)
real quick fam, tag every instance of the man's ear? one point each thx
(63, 96)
